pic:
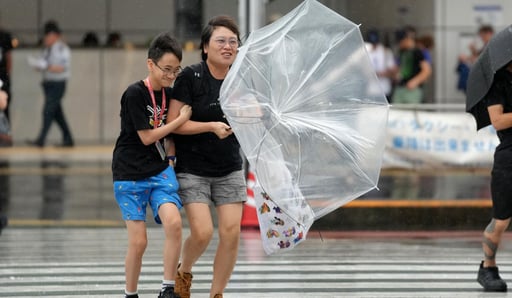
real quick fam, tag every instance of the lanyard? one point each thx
(156, 121)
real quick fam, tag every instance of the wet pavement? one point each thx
(75, 186)
(88, 262)
(66, 238)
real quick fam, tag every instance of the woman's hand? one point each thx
(222, 130)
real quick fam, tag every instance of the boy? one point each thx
(142, 171)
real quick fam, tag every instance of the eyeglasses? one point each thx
(169, 71)
(233, 42)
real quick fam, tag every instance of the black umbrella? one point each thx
(495, 55)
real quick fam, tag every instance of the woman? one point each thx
(208, 161)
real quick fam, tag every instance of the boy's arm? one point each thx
(150, 136)
(221, 129)
(499, 119)
(171, 150)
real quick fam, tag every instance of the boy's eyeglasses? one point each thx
(169, 71)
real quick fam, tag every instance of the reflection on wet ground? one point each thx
(76, 185)
(428, 185)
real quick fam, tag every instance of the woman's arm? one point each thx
(499, 119)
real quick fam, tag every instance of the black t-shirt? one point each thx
(410, 64)
(5, 47)
(132, 160)
(501, 93)
(204, 154)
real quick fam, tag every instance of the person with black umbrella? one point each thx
(499, 106)
(489, 99)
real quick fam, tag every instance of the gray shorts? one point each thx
(212, 190)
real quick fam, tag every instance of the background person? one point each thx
(466, 61)
(6, 46)
(414, 70)
(209, 164)
(383, 63)
(55, 65)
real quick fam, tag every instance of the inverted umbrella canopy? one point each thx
(299, 101)
(496, 54)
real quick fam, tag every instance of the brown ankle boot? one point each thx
(183, 284)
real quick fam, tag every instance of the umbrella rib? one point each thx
(318, 62)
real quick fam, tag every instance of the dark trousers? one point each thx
(52, 111)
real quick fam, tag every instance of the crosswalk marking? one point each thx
(88, 262)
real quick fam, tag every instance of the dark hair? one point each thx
(372, 36)
(486, 29)
(51, 26)
(427, 41)
(164, 43)
(218, 21)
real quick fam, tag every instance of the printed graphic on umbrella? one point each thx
(299, 102)
(495, 55)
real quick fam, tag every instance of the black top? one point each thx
(204, 154)
(132, 160)
(5, 47)
(501, 93)
(410, 64)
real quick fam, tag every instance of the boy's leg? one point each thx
(171, 222)
(230, 216)
(132, 198)
(137, 242)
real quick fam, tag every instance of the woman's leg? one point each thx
(201, 231)
(229, 216)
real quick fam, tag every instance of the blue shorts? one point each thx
(134, 196)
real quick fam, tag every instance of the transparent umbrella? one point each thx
(299, 101)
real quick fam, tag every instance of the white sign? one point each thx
(417, 139)
(488, 14)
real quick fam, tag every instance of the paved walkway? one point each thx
(66, 238)
(88, 262)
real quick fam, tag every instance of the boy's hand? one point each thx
(185, 112)
(222, 130)
(3, 100)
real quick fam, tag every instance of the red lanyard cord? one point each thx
(156, 122)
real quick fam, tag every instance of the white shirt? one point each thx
(382, 60)
(58, 54)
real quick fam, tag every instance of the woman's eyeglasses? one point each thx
(221, 42)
